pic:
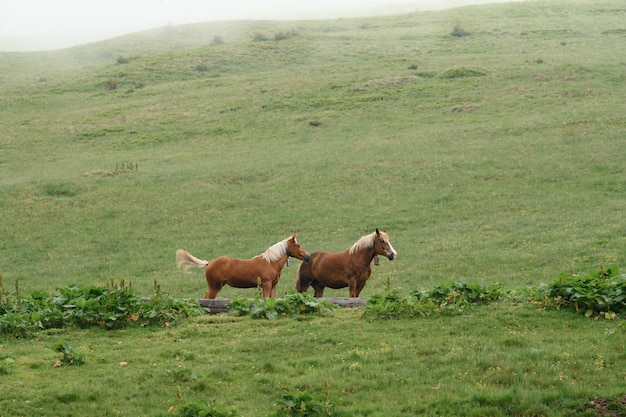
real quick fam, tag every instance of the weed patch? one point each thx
(113, 307)
(292, 304)
(445, 299)
(206, 409)
(69, 356)
(599, 293)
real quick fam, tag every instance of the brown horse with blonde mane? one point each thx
(262, 270)
(350, 268)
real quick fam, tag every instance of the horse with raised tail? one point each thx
(350, 268)
(262, 270)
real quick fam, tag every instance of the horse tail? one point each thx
(185, 260)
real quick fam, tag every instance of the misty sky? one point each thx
(54, 24)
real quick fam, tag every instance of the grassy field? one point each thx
(501, 360)
(511, 176)
(496, 156)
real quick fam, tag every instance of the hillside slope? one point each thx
(492, 156)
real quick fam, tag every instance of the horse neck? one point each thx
(280, 263)
(365, 255)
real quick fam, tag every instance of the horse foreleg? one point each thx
(358, 287)
(266, 287)
(301, 286)
(354, 288)
(303, 280)
(319, 289)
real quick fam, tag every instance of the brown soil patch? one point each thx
(612, 407)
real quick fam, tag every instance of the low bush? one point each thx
(292, 304)
(113, 307)
(447, 298)
(70, 357)
(458, 31)
(304, 404)
(600, 292)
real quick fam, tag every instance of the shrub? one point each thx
(110, 84)
(305, 404)
(600, 292)
(458, 31)
(260, 37)
(293, 304)
(447, 298)
(114, 307)
(285, 35)
(69, 358)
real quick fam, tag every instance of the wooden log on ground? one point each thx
(218, 305)
(222, 305)
(345, 302)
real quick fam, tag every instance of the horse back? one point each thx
(325, 264)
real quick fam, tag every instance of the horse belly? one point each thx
(246, 274)
(329, 270)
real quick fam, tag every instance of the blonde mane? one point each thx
(363, 243)
(276, 251)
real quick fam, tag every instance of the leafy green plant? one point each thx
(392, 306)
(292, 304)
(206, 409)
(113, 307)
(460, 294)
(304, 404)
(5, 365)
(601, 292)
(446, 298)
(70, 357)
(183, 374)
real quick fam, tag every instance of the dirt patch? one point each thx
(612, 407)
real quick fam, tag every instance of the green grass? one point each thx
(512, 176)
(503, 359)
(492, 157)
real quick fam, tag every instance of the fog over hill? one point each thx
(31, 25)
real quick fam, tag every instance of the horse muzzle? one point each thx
(306, 257)
(391, 256)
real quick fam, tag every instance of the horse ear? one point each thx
(377, 231)
(293, 237)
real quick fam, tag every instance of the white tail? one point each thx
(185, 260)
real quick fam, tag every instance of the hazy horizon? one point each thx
(36, 25)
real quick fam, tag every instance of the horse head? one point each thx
(295, 250)
(382, 245)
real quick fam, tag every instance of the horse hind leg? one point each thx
(212, 293)
(214, 287)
